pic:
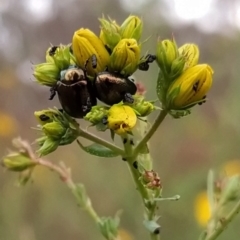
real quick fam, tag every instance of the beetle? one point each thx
(75, 92)
(112, 88)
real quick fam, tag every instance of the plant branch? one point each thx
(146, 198)
(65, 176)
(224, 223)
(151, 131)
(94, 138)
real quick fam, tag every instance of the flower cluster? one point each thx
(100, 67)
(182, 81)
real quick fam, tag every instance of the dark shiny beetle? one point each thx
(112, 88)
(75, 93)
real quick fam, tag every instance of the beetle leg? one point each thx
(105, 120)
(52, 92)
(128, 98)
(144, 66)
(87, 107)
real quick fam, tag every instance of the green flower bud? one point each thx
(109, 34)
(85, 44)
(142, 107)
(48, 146)
(54, 130)
(231, 190)
(125, 57)
(132, 28)
(58, 129)
(190, 53)
(177, 67)
(190, 87)
(46, 73)
(166, 53)
(18, 162)
(96, 114)
(46, 116)
(62, 57)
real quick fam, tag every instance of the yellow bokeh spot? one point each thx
(8, 126)
(202, 208)
(124, 235)
(231, 167)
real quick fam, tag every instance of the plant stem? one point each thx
(222, 225)
(94, 138)
(151, 131)
(150, 212)
(65, 176)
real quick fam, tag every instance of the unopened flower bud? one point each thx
(151, 180)
(141, 106)
(48, 146)
(96, 114)
(231, 190)
(58, 129)
(17, 162)
(61, 57)
(54, 130)
(46, 73)
(46, 115)
(132, 28)
(190, 53)
(121, 119)
(125, 57)
(85, 44)
(109, 33)
(166, 53)
(190, 87)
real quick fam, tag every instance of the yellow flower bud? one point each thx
(190, 87)
(166, 54)
(85, 44)
(109, 34)
(190, 53)
(132, 28)
(125, 57)
(46, 73)
(18, 162)
(46, 116)
(121, 119)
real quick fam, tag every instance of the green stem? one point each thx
(151, 131)
(94, 138)
(222, 225)
(150, 212)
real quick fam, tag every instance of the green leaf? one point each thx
(98, 150)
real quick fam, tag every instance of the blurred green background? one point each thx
(183, 150)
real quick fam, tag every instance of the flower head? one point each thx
(85, 44)
(110, 33)
(132, 28)
(142, 107)
(121, 119)
(166, 54)
(47, 73)
(190, 53)
(125, 57)
(190, 87)
(57, 129)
